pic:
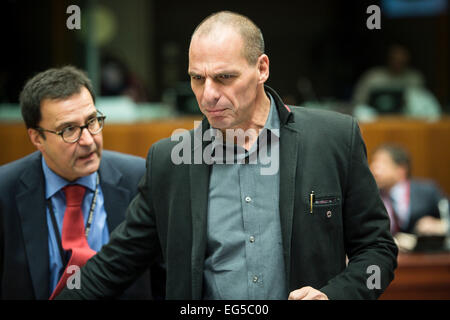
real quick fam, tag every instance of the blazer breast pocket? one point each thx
(325, 225)
(327, 211)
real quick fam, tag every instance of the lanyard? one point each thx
(88, 224)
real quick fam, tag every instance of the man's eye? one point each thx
(195, 77)
(69, 129)
(225, 76)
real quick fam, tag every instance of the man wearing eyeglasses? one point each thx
(59, 204)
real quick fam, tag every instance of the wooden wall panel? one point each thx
(427, 142)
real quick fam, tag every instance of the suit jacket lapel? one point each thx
(116, 198)
(414, 199)
(199, 188)
(289, 148)
(31, 205)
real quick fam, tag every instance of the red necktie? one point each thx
(73, 236)
(388, 203)
(394, 215)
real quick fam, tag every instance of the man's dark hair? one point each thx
(398, 154)
(55, 83)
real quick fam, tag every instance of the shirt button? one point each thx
(329, 214)
(252, 239)
(255, 279)
(248, 199)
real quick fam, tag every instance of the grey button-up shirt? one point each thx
(244, 250)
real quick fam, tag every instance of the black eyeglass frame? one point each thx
(100, 118)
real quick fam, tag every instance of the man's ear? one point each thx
(403, 173)
(36, 138)
(263, 68)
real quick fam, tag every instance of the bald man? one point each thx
(260, 201)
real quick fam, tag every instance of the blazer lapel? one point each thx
(116, 198)
(414, 202)
(289, 148)
(30, 201)
(199, 189)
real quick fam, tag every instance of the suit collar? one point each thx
(290, 166)
(284, 112)
(31, 206)
(199, 173)
(290, 150)
(116, 198)
(199, 188)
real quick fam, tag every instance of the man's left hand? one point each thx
(307, 293)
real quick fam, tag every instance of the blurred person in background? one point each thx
(395, 88)
(118, 80)
(412, 204)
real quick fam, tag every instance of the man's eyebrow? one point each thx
(193, 73)
(216, 74)
(92, 115)
(72, 123)
(227, 72)
(65, 124)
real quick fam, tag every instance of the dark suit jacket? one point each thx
(424, 199)
(320, 151)
(24, 256)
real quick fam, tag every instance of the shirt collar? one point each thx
(54, 182)
(399, 190)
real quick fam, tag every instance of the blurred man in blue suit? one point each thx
(412, 204)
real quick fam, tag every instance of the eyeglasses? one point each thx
(72, 134)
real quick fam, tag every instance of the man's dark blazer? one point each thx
(24, 256)
(319, 151)
(424, 199)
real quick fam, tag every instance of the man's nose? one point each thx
(211, 93)
(86, 137)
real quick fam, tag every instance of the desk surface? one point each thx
(420, 276)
